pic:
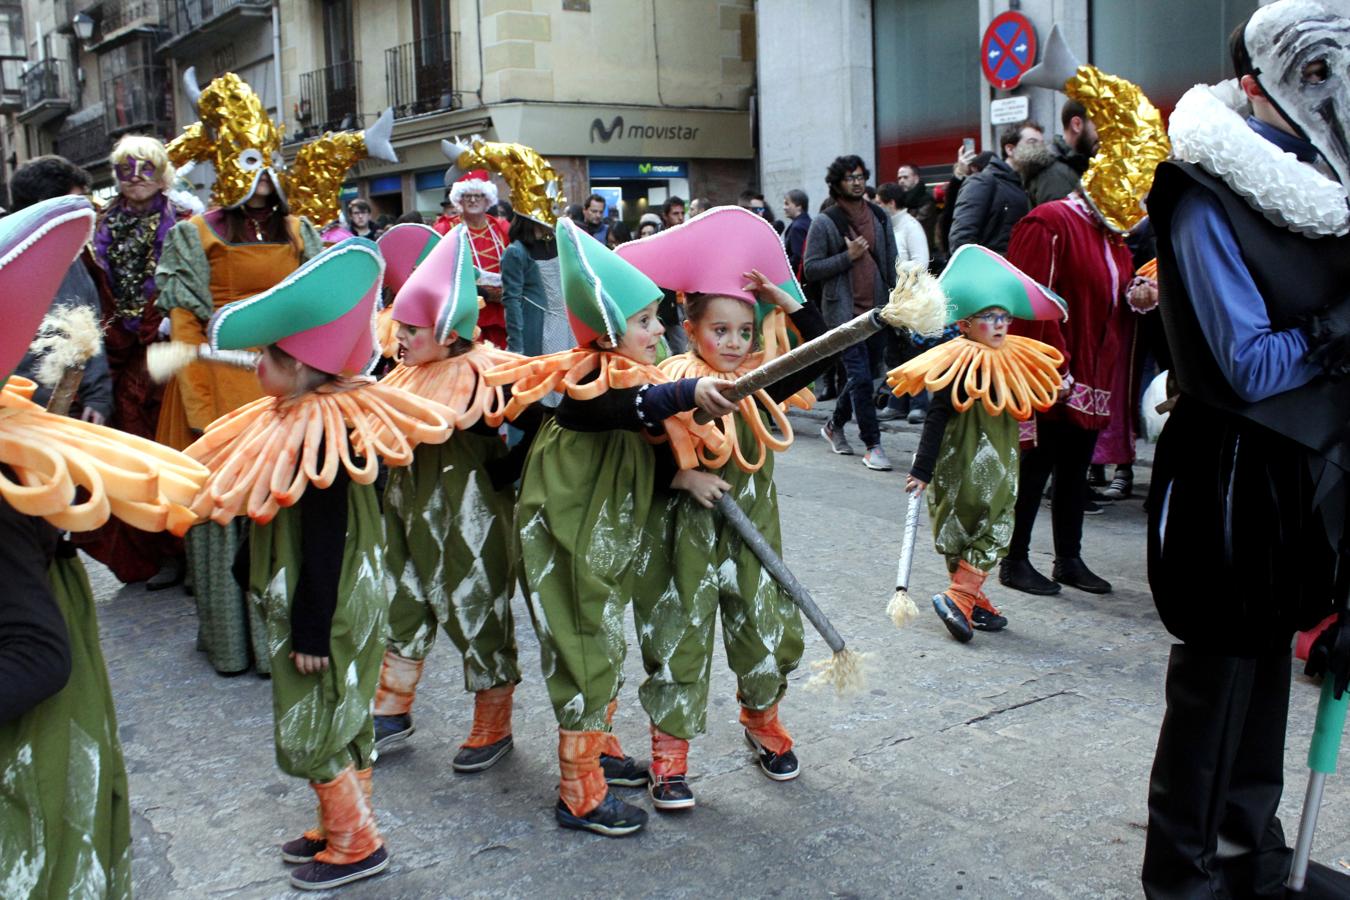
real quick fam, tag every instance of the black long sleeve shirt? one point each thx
(323, 541)
(940, 410)
(34, 643)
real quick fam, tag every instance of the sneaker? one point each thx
(1121, 488)
(889, 414)
(671, 792)
(778, 766)
(982, 619)
(625, 772)
(916, 417)
(612, 818)
(301, 850)
(1091, 508)
(952, 617)
(1020, 575)
(320, 876)
(875, 458)
(476, 759)
(391, 731)
(1075, 573)
(838, 443)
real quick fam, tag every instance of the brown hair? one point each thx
(311, 378)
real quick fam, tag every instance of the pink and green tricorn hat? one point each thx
(321, 313)
(404, 247)
(37, 245)
(441, 292)
(600, 288)
(710, 254)
(977, 278)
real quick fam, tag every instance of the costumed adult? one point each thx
(246, 243)
(1076, 247)
(65, 824)
(1248, 500)
(473, 192)
(128, 242)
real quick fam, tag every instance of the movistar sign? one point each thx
(641, 131)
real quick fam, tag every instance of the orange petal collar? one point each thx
(1021, 376)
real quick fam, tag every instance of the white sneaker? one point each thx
(875, 458)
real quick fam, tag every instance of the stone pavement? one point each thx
(1014, 766)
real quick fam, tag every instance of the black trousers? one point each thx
(1065, 450)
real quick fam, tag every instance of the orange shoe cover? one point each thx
(965, 587)
(491, 716)
(583, 785)
(983, 602)
(670, 755)
(398, 684)
(610, 746)
(348, 821)
(766, 728)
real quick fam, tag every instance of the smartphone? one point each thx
(968, 144)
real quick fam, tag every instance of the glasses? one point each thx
(855, 177)
(994, 319)
(758, 209)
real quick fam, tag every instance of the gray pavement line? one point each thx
(1003, 709)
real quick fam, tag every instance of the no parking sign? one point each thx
(1007, 50)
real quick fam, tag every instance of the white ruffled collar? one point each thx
(1207, 129)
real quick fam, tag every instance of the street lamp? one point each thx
(83, 24)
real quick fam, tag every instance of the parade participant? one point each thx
(983, 384)
(489, 236)
(1248, 499)
(65, 820)
(246, 243)
(734, 274)
(128, 242)
(316, 564)
(585, 496)
(448, 517)
(1076, 247)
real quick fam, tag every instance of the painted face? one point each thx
(724, 334)
(133, 169)
(418, 346)
(643, 337)
(988, 327)
(1301, 53)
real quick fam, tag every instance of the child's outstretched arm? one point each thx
(930, 441)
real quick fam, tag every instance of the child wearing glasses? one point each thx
(982, 384)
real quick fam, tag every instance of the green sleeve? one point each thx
(184, 274)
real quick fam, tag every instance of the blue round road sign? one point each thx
(1008, 50)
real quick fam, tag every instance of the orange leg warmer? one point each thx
(348, 820)
(491, 716)
(766, 728)
(965, 587)
(610, 745)
(398, 684)
(670, 755)
(583, 785)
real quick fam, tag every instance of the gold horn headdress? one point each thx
(536, 188)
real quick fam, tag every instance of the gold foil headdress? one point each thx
(1132, 138)
(536, 188)
(236, 135)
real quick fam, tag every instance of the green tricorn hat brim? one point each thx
(601, 289)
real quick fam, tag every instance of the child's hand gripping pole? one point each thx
(916, 303)
(843, 671)
(901, 609)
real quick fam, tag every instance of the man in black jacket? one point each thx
(993, 201)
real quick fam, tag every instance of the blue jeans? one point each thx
(860, 361)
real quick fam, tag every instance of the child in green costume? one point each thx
(586, 492)
(316, 567)
(982, 384)
(739, 294)
(449, 516)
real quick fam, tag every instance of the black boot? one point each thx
(1020, 575)
(1075, 573)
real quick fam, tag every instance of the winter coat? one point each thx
(1050, 171)
(989, 205)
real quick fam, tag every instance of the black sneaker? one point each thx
(301, 850)
(1020, 575)
(391, 731)
(1091, 508)
(612, 818)
(625, 772)
(671, 792)
(320, 876)
(476, 759)
(1075, 573)
(778, 766)
(951, 616)
(983, 620)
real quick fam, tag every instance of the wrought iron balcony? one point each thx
(193, 24)
(420, 75)
(330, 100)
(85, 145)
(11, 84)
(137, 99)
(46, 91)
(123, 18)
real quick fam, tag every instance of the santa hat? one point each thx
(600, 288)
(321, 313)
(37, 245)
(474, 180)
(441, 291)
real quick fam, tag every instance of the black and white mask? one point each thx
(1300, 50)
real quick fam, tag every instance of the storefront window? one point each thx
(1164, 47)
(928, 86)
